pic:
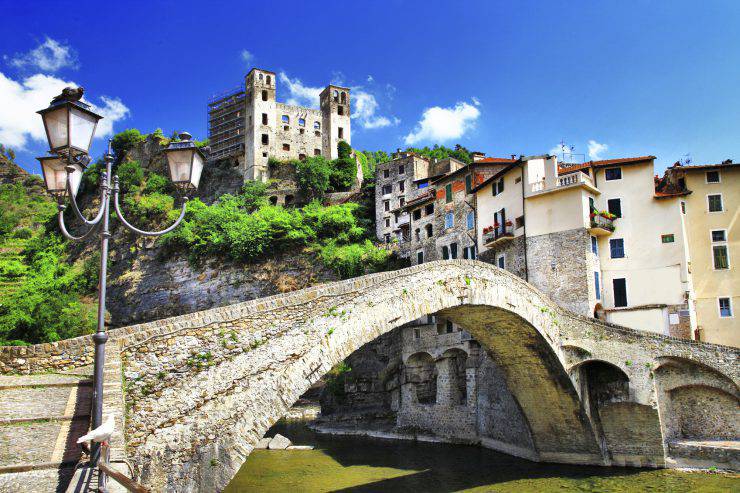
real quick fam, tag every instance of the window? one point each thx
(448, 193)
(285, 119)
(316, 126)
(286, 127)
(420, 257)
(261, 76)
(286, 147)
(317, 133)
(387, 189)
(453, 250)
(500, 185)
(387, 222)
(264, 95)
(449, 220)
(468, 183)
(340, 133)
(712, 176)
(620, 292)
(471, 220)
(340, 110)
(429, 209)
(344, 97)
(445, 253)
(417, 333)
(423, 184)
(720, 257)
(302, 122)
(336, 95)
(501, 261)
(264, 118)
(594, 245)
(429, 230)
(614, 206)
(616, 248)
(417, 234)
(387, 205)
(667, 238)
(469, 252)
(417, 214)
(387, 237)
(401, 202)
(519, 221)
(401, 186)
(683, 207)
(265, 140)
(317, 152)
(715, 202)
(269, 80)
(301, 157)
(613, 174)
(386, 173)
(401, 169)
(719, 235)
(725, 307)
(596, 285)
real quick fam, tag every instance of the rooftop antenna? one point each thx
(686, 159)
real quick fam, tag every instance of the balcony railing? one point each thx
(403, 219)
(497, 234)
(601, 225)
(568, 180)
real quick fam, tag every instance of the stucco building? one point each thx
(250, 125)
(709, 198)
(595, 236)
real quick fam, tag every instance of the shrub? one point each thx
(126, 140)
(344, 150)
(130, 175)
(253, 195)
(153, 208)
(156, 183)
(343, 173)
(337, 222)
(354, 260)
(12, 268)
(22, 233)
(313, 176)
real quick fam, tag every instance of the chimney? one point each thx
(513, 157)
(477, 156)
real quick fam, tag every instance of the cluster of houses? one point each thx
(607, 239)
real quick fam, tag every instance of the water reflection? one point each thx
(355, 464)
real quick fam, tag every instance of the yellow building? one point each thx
(710, 200)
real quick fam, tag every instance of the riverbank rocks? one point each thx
(279, 442)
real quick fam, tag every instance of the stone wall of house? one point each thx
(558, 265)
(513, 252)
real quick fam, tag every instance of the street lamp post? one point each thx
(70, 126)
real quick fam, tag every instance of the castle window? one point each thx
(289, 199)
(269, 80)
(401, 186)
(401, 169)
(261, 76)
(387, 222)
(340, 110)
(386, 173)
(387, 189)
(264, 95)
(302, 122)
(387, 205)
(301, 131)
(336, 95)
(317, 125)
(344, 97)
(301, 157)
(417, 214)
(286, 127)
(286, 147)
(273, 200)
(264, 118)
(285, 119)
(317, 152)
(317, 133)
(265, 140)
(341, 133)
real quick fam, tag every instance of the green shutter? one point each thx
(468, 183)
(448, 193)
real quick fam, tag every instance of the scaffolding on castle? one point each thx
(226, 123)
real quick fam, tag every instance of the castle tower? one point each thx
(260, 123)
(335, 113)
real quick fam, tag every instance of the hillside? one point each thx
(233, 245)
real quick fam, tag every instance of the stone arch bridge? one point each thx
(200, 390)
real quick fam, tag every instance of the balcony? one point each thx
(495, 235)
(600, 225)
(564, 181)
(402, 219)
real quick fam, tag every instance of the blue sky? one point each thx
(614, 79)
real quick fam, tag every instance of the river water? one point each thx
(360, 464)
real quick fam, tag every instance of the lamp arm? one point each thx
(67, 234)
(73, 199)
(141, 231)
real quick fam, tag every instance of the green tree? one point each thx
(313, 175)
(126, 140)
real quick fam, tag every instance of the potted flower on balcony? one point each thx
(508, 223)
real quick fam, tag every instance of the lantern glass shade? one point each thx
(186, 164)
(55, 175)
(82, 128)
(69, 126)
(197, 169)
(55, 122)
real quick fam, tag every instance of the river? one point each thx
(360, 464)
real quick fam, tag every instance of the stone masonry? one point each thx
(202, 389)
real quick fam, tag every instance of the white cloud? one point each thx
(365, 108)
(370, 79)
(595, 150)
(19, 102)
(475, 100)
(49, 56)
(299, 94)
(441, 125)
(247, 57)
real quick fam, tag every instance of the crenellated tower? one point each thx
(335, 113)
(260, 123)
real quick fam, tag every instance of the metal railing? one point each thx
(498, 233)
(106, 471)
(599, 221)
